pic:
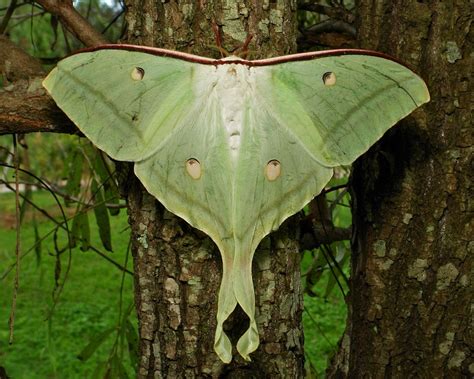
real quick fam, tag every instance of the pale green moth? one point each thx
(232, 146)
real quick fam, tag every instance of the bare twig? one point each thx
(332, 26)
(16, 285)
(324, 236)
(66, 40)
(335, 188)
(56, 189)
(318, 228)
(336, 12)
(94, 249)
(335, 263)
(60, 225)
(8, 15)
(7, 151)
(331, 267)
(27, 16)
(74, 199)
(74, 21)
(114, 20)
(89, 7)
(337, 200)
(20, 19)
(320, 235)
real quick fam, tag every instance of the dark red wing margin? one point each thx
(260, 62)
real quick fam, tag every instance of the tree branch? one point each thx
(332, 26)
(318, 228)
(25, 106)
(335, 34)
(74, 22)
(7, 17)
(321, 234)
(334, 12)
(15, 63)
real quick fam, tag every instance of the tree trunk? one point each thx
(411, 285)
(177, 268)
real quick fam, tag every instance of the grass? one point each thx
(49, 347)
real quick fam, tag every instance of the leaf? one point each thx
(38, 240)
(85, 232)
(100, 370)
(80, 231)
(101, 216)
(117, 368)
(73, 170)
(75, 234)
(112, 194)
(95, 342)
(132, 342)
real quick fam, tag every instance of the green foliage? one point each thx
(35, 34)
(81, 232)
(101, 216)
(53, 157)
(41, 35)
(88, 307)
(324, 282)
(84, 191)
(89, 304)
(324, 322)
(73, 172)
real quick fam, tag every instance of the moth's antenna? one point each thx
(217, 34)
(244, 50)
(245, 47)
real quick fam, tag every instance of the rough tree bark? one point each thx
(178, 269)
(411, 287)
